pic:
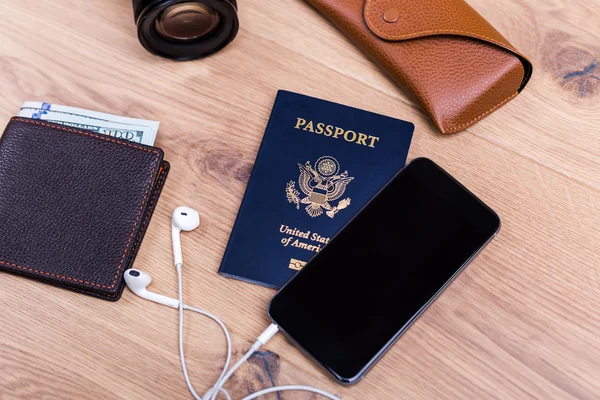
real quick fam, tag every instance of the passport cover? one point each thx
(319, 163)
(74, 205)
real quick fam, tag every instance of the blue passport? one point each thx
(319, 163)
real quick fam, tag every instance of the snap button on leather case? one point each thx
(442, 51)
(74, 205)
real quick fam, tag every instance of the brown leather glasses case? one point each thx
(442, 51)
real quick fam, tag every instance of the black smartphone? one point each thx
(355, 298)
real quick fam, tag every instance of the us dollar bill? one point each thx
(132, 129)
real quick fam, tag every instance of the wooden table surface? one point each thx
(522, 321)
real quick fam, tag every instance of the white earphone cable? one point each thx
(264, 337)
(183, 306)
(290, 387)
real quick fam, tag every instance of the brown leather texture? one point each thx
(74, 205)
(442, 51)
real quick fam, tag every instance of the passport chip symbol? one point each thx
(297, 264)
(322, 185)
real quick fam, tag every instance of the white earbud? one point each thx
(187, 219)
(137, 281)
(184, 219)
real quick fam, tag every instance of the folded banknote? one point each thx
(132, 129)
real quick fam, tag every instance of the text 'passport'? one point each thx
(318, 165)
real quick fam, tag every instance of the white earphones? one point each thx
(188, 219)
(184, 219)
(137, 281)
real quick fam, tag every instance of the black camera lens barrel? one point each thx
(148, 12)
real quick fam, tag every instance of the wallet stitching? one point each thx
(135, 224)
(148, 185)
(159, 183)
(53, 275)
(103, 137)
(458, 127)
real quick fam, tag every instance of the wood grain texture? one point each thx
(521, 322)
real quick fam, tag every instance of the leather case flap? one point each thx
(417, 19)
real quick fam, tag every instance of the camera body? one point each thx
(185, 29)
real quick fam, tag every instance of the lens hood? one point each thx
(147, 12)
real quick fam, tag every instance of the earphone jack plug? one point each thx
(266, 336)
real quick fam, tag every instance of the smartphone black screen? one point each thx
(362, 290)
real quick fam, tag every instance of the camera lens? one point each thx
(184, 29)
(186, 21)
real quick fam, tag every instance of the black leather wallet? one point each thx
(74, 205)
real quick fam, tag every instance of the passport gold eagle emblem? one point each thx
(321, 185)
